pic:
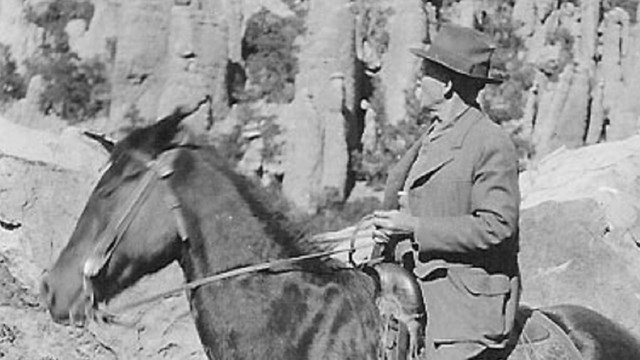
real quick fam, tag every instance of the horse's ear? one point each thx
(102, 139)
(181, 112)
(168, 126)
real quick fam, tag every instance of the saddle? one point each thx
(401, 305)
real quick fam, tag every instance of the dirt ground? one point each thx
(162, 330)
(27, 332)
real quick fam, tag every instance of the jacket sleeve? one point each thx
(495, 201)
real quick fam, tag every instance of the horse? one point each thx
(165, 199)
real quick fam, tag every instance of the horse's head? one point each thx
(132, 224)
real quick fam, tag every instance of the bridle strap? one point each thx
(160, 169)
(114, 232)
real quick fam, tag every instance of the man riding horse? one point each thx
(452, 205)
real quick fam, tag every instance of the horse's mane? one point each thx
(271, 209)
(268, 207)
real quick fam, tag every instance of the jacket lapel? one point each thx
(398, 174)
(436, 154)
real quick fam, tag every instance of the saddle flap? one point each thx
(534, 329)
(541, 338)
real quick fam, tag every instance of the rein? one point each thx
(158, 171)
(235, 273)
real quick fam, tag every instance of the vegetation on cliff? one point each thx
(75, 89)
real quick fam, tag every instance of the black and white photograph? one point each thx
(320, 179)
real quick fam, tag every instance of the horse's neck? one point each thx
(224, 233)
(263, 315)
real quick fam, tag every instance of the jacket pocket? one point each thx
(477, 282)
(483, 297)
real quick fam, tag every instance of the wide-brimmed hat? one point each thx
(463, 50)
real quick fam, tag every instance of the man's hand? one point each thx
(392, 226)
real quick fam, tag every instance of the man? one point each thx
(452, 205)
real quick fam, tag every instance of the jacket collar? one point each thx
(455, 130)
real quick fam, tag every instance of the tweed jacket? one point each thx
(463, 186)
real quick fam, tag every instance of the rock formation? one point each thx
(316, 156)
(406, 26)
(586, 56)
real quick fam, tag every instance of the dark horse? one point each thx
(164, 199)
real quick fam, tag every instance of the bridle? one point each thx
(159, 171)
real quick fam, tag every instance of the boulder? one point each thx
(580, 230)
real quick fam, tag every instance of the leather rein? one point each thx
(158, 172)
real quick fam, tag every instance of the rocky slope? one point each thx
(45, 180)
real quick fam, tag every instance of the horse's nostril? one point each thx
(45, 292)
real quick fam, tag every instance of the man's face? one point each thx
(433, 94)
(433, 88)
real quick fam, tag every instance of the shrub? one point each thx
(12, 84)
(393, 141)
(75, 90)
(233, 145)
(56, 17)
(374, 24)
(269, 52)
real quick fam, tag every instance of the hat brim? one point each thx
(424, 54)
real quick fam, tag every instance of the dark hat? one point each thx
(463, 50)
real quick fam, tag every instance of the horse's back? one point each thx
(595, 336)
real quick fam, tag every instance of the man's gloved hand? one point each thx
(392, 226)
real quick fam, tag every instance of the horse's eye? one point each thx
(105, 191)
(131, 175)
(108, 189)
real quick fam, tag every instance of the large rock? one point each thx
(580, 230)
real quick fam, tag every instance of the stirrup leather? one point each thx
(403, 312)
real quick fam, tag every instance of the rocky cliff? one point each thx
(585, 55)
